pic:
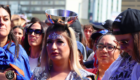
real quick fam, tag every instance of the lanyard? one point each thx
(96, 78)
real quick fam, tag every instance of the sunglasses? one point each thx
(36, 31)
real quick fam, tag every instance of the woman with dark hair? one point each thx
(126, 29)
(33, 42)
(107, 52)
(18, 32)
(60, 58)
(13, 58)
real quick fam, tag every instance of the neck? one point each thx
(3, 41)
(35, 52)
(102, 68)
(61, 66)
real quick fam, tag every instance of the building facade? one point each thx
(105, 9)
(134, 4)
(35, 7)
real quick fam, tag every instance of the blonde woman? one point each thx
(60, 59)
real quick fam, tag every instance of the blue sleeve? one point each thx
(25, 64)
(22, 62)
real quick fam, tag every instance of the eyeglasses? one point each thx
(36, 31)
(123, 42)
(108, 47)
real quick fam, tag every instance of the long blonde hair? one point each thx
(74, 57)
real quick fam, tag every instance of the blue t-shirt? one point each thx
(22, 62)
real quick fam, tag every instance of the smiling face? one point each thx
(33, 38)
(57, 46)
(105, 56)
(5, 23)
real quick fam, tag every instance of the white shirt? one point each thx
(33, 63)
(91, 56)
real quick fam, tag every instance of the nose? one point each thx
(54, 46)
(104, 49)
(88, 32)
(16, 35)
(32, 33)
(1, 22)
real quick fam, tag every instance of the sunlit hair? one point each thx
(70, 37)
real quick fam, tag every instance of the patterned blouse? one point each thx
(40, 74)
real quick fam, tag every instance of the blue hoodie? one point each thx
(20, 64)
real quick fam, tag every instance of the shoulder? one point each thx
(113, 67)
(85, 73)
(39, 73)
(136, 71)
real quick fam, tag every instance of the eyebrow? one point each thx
(107, 44)
(6, 16)
(55, 39)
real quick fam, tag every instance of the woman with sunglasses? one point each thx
(60, 58)
(33, 42)
(126, 28)
(107, 52)
(13, 58)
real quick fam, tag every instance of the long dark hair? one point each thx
(11, 37)
(25, 44)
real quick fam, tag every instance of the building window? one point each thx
(35, 2)
(13, 2)
(47, 2)
(128, 5)
(24, 8)
(3, 2)
(45, 8)
(35, 9)
(59, 2)
(24, 2)
(59, 7)
(127, 0)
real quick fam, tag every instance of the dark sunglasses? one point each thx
(36, 31)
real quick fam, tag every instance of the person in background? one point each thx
(82, 52)
(92, 59)
(12, 56)
(107, 52)
(88, 30)
(107, 25)
(60, 58)
(15, 20)
(24, 20)
(34, 19)
(33, 42)
(94, 38)
(126, 29)
(79, 33)
(18, 32)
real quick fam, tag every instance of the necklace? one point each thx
(96, 78)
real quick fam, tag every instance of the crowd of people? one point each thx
(34, 50)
